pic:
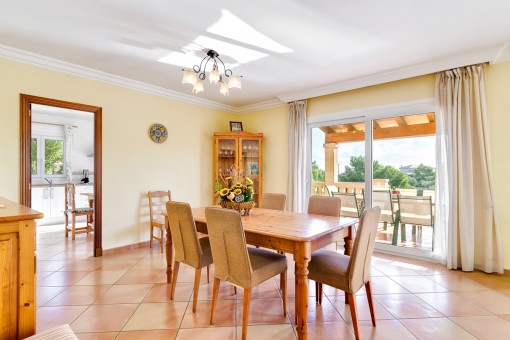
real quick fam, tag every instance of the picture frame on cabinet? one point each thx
(236, 126)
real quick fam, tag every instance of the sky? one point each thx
(394, 152)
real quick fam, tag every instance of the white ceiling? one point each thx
(304, 48)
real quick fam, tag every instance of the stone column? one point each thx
(331, 163)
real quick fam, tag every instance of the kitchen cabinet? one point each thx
(50, 201)
(244, 150)
(17, 264)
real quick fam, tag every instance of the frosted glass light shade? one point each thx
(234, 81)
(224, 89)
(214, 75)
(189, 77)
(198, 87)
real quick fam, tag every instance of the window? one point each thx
(47, 156)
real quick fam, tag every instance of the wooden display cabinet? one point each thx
(243, 149)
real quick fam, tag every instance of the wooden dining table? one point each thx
(294, 233)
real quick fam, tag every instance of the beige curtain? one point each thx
(473, 236)
(296, 191)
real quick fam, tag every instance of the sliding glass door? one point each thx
(383, 159)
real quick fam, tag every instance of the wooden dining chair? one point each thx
(71, 209)
(188, 247)
(273, 201)
(235, 263)
(157, 205)
(349, 273)
(324, 205)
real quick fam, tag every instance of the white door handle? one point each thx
(52, 193)
(46, 194)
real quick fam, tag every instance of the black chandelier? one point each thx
(197, 76)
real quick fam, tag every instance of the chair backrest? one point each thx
(408, 192)
(349, 205)
(382, 199)
(331, 189)
(70, 199)
(273, 201)
(324, 205)
(360, 259)
(228, 246)
(184, 233)
(157, 203)
(430, 193)
(416, 210)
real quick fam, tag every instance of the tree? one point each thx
(355, 172)
(423, 177)
(397, 179)
(318, 174)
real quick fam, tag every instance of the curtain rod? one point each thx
(74, 126)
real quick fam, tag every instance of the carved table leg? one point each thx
(302, 256)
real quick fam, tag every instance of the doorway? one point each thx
(26, 102)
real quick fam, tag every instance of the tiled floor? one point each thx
(125, 296)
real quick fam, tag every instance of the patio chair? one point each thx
(417, 211)
(431, 194)
(382, 199)
(349, 206)
(331, 189)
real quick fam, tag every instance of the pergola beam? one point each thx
(417, 130)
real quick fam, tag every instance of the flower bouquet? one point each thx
(235, 191)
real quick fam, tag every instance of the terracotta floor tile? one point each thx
(403, 306)
(223, 316)
(82, 265)
(117, 264)
(267, 289)
(362, 307)
(262, 311)
(78, 296)
(102, 277)
(62, 279)
(493, 301)
(164, 315)
(45, 294)
(215, 333)
(160, 292)
(151, 263)
(326, 312)
(49, 266)
(329, 330)
(437, 329)
(452, 304)
(167, 334)
(48, 317)
(135, 276)
(457, 283)
(226, 291)
(419, 284)
(485, 327)
(280, 332)
(385, 285)
(103, 318)
(384, 330)
(97, 336)
(125, 294)
(389, 269)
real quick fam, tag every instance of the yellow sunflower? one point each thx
(238, 191)
(224, 192)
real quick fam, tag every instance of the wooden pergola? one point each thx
(419, 125)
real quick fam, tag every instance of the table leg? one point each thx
(169, 252)
(302, 256)
(348, 250)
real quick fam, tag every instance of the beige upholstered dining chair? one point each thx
(235, 263)
(349, 273)
(324, 205)
(189, 248)
(157, 203)
(273, 201)
(71, 209)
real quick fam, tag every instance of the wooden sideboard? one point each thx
(17, 270)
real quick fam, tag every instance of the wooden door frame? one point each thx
(25, 164)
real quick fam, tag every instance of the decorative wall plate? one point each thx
(158, 133)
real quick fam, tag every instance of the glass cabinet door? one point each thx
(250, 163)
(227, 155)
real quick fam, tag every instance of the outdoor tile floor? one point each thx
(125, 296)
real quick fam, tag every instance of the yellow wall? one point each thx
(132, 163)
(498, 82)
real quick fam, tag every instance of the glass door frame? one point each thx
(368, 115)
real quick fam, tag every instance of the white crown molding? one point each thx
(503, 54)
(474, 57)
(260, 106)
(80, 71)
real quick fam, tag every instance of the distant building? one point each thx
(408, 169)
